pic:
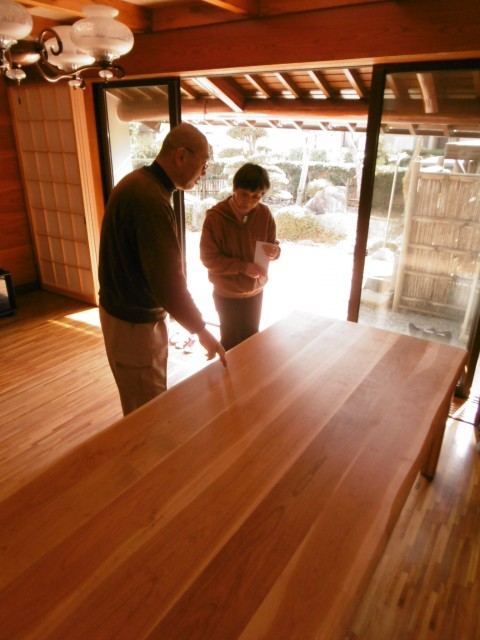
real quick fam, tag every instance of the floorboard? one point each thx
(56, 388)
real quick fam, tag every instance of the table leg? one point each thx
(430, 465)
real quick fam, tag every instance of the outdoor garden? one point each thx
(315, 178)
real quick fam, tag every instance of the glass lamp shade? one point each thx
(15, 23)
(16, 74)
(71, 57)
(100, 35)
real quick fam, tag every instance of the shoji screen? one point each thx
(47, 137)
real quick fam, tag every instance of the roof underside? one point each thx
(437, 103)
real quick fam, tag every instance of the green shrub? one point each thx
(188, 215)
(294, 225)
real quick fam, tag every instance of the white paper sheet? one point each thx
(261, 258)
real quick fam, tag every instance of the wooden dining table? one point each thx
(251, 502)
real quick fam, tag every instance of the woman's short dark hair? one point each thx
(251, 177)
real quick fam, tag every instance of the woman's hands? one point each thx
(272, 250)
(254, 271)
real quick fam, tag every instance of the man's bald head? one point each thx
(184, 155)
(184, 135)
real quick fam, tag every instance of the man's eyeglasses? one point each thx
(204, 162)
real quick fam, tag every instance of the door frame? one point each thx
(101, 115)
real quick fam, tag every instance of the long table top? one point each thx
(244, 503)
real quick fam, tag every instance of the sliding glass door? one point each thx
(415, 263)
(421, 270)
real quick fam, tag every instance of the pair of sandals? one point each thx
(182, 342)
(443, 336)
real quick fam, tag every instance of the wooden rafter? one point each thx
(321, 83)
(289, 84)
(188, 91)
(259, 84)
(355, 80)
(316, 97)
(225, 91)
(429, 94)
(396, 87)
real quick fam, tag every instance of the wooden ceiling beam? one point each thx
(305, 40)
(137, 18)
(277, 108)
(170, 15)
(243, 7)
(273, 7)
(71, 9)
(476, 83)
(209, 12)
(305, 109)
(452, 112)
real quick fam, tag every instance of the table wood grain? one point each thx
(245, 503)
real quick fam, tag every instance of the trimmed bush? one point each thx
(294, 225)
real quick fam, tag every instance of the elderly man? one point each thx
(141, 273)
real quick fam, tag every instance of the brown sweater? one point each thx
(140, 267)
(227, 245)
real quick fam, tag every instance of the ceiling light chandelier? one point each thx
(64, 52)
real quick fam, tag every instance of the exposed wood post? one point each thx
(409, 208)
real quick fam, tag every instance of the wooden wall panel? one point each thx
(16, 248)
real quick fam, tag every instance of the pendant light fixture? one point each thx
(65, 52)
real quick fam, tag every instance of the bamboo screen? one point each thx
(438, 271)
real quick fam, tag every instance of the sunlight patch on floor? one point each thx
(88, 316)
(86, 321)
(464, 441)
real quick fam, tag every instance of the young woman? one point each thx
(228, 244)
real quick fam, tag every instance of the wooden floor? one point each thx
(56, 390)
(56, 387)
